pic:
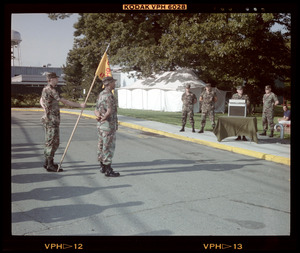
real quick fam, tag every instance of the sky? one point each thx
(44, 41)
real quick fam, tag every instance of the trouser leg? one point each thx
(191, 118)
(106, 146)
(203, 119)
(51, 140)
(184, 117)
(212, 118)
(100, 145)
(265, 122)
(270, 118)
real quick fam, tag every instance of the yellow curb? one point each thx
(78, 113)
(27, 109)
(256, 154)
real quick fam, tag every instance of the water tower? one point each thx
(15, 44)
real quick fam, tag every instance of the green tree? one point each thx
(226, 49)
(73, 76)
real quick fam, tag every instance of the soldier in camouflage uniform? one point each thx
(208, 98)
(240, 95)
(188, 100)
(269, 101)
(106, 112)
(51, 119)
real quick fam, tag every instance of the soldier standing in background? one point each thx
(51, 119)
(208, 98)
(106, 112)
(269, 101)
(240, 95)
(188, 100)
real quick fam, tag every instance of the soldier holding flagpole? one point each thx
(102, 71)
(106, 112)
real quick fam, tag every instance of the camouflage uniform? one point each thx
(107, 129)
(208, 107)
(268, 110)
(51, 120)
(244, 96)
(188, 107)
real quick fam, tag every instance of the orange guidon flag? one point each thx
(103, 69)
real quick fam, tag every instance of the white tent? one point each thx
(163, 92)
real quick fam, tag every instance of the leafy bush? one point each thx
(25, 100)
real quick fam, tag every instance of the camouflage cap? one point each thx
(208, 85)
(239, 87)
(107, 80)
(52, 75)
(187, 86)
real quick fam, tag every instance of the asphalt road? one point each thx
(166, 187)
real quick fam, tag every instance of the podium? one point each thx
(237, 108)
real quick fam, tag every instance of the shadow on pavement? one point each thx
(197, 166)
(66, 212)
(40, 177)
(57, 193)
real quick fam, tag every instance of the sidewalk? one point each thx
(271, 149)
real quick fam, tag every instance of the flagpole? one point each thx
(107, 48)
(68, 144)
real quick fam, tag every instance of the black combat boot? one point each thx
(272, 133)
(51, 166)
(244, 138)
(109, 171)
(103, 168)
(182, 129)
(46, 164)
(264, 133)
(201, 130)
(193, 128)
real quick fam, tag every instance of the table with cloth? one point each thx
(234, 126)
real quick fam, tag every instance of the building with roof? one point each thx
(26, 79)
